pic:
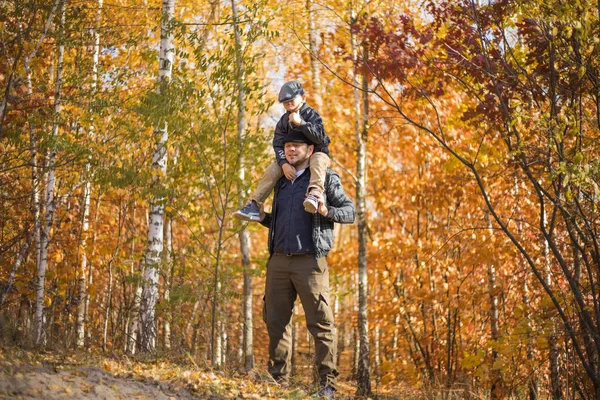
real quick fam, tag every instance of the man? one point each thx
(298, 244)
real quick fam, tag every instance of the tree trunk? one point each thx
(364, 380)
(497, 386)
(83, 267)
(82, 284)
(169, 268)
(91, 271)
(532, 384)
(35, 184)
(313, 48)
(554, 356)
(217, 352)
(159, 167)
(134, 321)
(107, 307)
(244, 235)
(50, 182)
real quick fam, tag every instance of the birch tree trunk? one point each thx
(244, 235)
(496, 389)
(134, 321)
(134, 313)
(364, 380)
(87, 299)
(50, 182)
(313, 47)
(168, 262)
(35, 181)
(87, 189)
(157, 209)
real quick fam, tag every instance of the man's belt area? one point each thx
(295, 254)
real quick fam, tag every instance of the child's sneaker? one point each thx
(250, 212)
(311, 203)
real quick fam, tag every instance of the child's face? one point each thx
(293, 104)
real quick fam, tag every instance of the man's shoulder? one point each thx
(332, 177)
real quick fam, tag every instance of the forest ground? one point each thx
(35, 374)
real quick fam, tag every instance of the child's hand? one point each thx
(261, 207)
(289, 171)
(295, 118)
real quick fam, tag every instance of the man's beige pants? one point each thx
(308, 278)
(319, 162)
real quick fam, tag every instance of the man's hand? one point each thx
(295, 118)
(289, 171)
(323, 210)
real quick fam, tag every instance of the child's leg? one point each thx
(319, 162)
(272, 174)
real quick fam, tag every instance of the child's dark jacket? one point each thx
(312, 128)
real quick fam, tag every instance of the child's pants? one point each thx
(319, 162)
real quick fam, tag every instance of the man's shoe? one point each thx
(326, 392)
(250, 212)
(311, 204)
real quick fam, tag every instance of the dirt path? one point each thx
(39, 374)
(83, 383)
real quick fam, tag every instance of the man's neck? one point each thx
(301, 166)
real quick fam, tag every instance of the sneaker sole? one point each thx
(246, 217)
(309, 207)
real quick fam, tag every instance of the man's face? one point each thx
(297, 153)
(293, 104)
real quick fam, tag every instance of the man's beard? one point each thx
(299, 162)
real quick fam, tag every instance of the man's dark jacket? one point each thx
(311, 127)
(340, 210)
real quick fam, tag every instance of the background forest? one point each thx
(466, 131)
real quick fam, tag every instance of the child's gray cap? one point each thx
(289, 90)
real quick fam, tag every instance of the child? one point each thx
(298, 117)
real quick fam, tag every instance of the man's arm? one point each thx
(340, 208)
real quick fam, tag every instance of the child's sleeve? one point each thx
(278, 146)
(313, 128)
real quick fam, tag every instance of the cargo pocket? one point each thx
(264, 309)
(324, 312)
(320, 265)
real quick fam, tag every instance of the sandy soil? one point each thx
(83, 383)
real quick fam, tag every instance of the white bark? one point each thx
(313, 47)
(90, 271)
(496, 389)
(364, 380)
(107, 307)
(83, 265)
(244, 235)
(134, 321)
(157, 209)
(133, 324)
(49, 195)
(168, 262)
